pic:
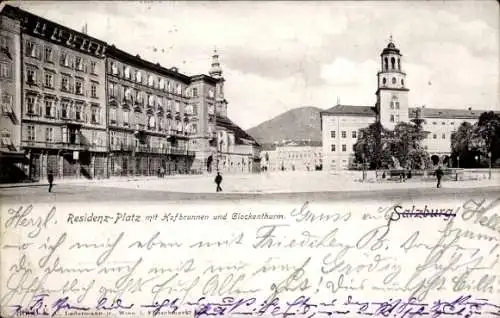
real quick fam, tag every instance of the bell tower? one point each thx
(216, 72)
(392, 94)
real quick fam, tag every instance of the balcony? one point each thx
(121, 147)
(140, 127)
(73, 146)
(39, 144)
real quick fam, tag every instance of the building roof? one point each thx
(139, 62)
(350, 110)
(391, 48)
(56, 33)
(368, 111)
(204, 77)
(30, 20)
(239, 134)
(447, 113)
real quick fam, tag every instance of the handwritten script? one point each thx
(307, 259)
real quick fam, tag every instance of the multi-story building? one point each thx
(150, 116)
(341, 124)
(63, 95)
(231, 149)
(12, 158)
(293, 156)
(75, 106)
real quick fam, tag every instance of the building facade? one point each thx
(78, 107)
(63, 118)
(342, 124)
(150, 117)
(12, 158)
(293, 156)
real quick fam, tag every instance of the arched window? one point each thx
(402, 82)
(399, 64)
(393, 80)
(386, 64)
(384, 81)
(397, 105)
(393, 62)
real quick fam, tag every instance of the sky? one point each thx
(277, 56)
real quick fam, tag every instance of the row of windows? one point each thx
(141, 98)
(68, 84)
(68, 135)
(67, 109)
(393, 64)
(443, 123)
(298, 155)
(77, 62)
(443, 136)
(343, 133)
(151, 121)
(333, 148)
(393, 81)
(156, 82)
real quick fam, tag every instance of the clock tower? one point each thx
(216, 72)
(392, 94)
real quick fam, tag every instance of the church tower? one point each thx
(216, 72)
(392, 94)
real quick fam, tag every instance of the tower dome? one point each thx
(216, 69)
(391, 48)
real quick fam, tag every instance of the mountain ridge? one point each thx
(301, 123)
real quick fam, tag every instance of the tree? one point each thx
(462, 146)
(406, 145)
(488, 130)
(369, 146)
(478, 140)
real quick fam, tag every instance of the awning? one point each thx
(14, 155)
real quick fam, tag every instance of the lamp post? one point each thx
(489, 169)
(364, 172)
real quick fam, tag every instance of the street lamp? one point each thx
(489, 169)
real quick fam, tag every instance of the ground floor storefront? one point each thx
(13, 167)
(66, 164)
(143, 164)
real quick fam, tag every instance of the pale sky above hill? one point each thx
(281, 55)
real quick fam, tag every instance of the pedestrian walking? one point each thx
(439, 175)
(50, 178)
(218, 181)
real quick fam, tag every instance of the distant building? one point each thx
(293, 156)
(76, 106)
(341, 124)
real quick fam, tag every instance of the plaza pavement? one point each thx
(290, 182)
(294, 186)
(272, 182)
